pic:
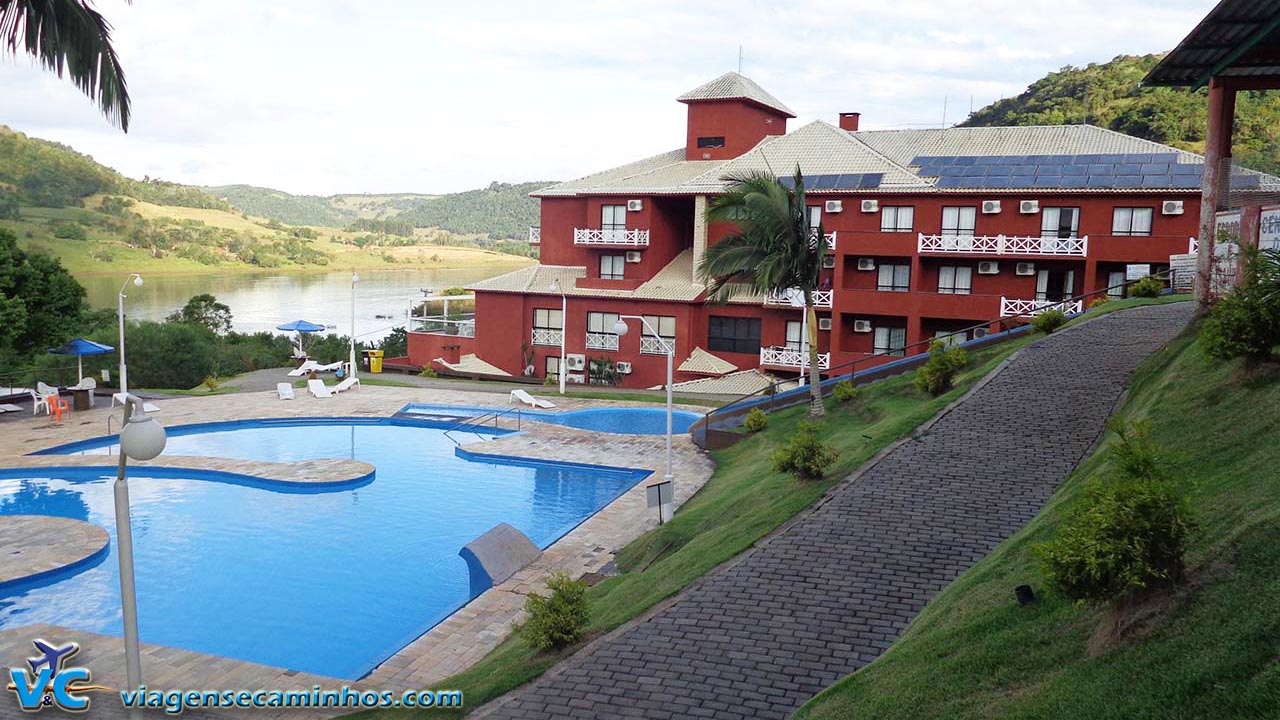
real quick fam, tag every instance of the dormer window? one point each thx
(716, 141)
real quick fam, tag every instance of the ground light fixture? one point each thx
(136, 279)
(665, 509)
(564, 313)
(141, 438)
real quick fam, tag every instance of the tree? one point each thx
(772, 250)
(204, 309)
(40, 303)
(69, 36)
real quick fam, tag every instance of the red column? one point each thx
(1217, 148)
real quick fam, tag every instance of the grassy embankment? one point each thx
(1212, 652)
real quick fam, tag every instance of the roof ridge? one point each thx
(850, 137)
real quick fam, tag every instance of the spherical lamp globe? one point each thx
(142, 437)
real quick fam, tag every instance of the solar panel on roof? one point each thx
(1155, 169)
(1129, 169)
(1075, 170)
(1048, 181)
(1186, 169)
(825, 182)
(1246, 181)
(964, 160)
(1101, 181)
(1074, 181)
(1157, 181)
(1126, 181)
(1022, 181)
(1085, 159)
(1024, 170)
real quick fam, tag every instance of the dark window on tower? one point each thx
(733, 334)
(711, 142)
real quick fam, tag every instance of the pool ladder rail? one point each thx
(474, 424)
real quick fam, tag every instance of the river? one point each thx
(261, 301)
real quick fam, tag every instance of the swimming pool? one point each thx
(332, 581)
(620, 420)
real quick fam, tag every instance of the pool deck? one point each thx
(466, 636)
(38, 545)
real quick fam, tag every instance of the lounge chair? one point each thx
(317, 388)
(525, 397)
(330, 367)
(284, 390)
(350, 382)
(304, 368)
(86, 384)
(9, 408)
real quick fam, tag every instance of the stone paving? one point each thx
(310, 473)
(39, 544)
(832, 589)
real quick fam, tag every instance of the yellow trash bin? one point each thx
(375, 361)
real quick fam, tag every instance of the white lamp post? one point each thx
(141, 438)
(564, 315)
(136, 279)
(669, 348)
(354, 279)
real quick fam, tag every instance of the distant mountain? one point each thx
(283, 207)
(1108, 95)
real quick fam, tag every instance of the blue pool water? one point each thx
(623, 420)
(328, 582)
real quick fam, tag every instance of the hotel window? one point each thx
(651, 344)
(794, 328)
(959, 221)
(733, 334)
(815, 216)
(1059, 222)
(1115, 284)
(711, 142)
(611, 267)
(890, 341)
(893, 278)
(547, 319)
(955, 279)
(601, 334)
(948, 338)
(897, 218)
(553, 366)
(613, 217)
(1131, 221)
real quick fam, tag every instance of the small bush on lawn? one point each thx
(210, 383)
(844, 392)
(756, 420)
(1148, 287)
(555, 621)
(1099, 301)
(1049, 321)
(427, 372)
(804, 456)
(935, 376)
(1246, 322)
(1129, 532)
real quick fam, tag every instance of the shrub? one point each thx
(555, 621)
(1246, 322)
(757, 420)
(69, 231)
(428, 372)
(1148, 287)
(804, 456)
(1129, 532)
(936, 376)
(210, 383)
(844, 392)
(1049, 321)
(1099, 301)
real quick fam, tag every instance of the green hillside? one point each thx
(1107, 95)
(283, 207)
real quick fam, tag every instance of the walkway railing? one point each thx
(474, 425)
(1004, 245)
(21, 382)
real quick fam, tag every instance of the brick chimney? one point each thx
(849, 121)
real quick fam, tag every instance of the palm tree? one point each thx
(69, 36)
(773, 249)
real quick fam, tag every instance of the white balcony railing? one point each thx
(794, 298)
(441, 325)
(783, 356)
(1004, 245)
(830, 237)
(602, 341)
(1010, 307)
(535, 236)
(547, 336)
(652, 345)
(611, 238)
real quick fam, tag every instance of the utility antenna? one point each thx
(944, 111)
(739, 59)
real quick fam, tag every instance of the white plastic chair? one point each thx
(317, 388)
(38, 402)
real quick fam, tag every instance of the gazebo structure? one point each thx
(1235, 47)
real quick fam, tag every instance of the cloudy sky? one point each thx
(327, 96)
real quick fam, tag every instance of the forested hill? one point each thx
(283, 207)
(1108, 95)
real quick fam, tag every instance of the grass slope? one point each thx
(974, 653)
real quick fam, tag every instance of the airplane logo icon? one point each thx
(53, 657)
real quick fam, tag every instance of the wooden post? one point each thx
(1217, 148)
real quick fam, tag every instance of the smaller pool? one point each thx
(621, 420)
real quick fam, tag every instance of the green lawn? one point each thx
(974, 653)
(743, 502)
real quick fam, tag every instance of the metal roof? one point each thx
(1238, 38)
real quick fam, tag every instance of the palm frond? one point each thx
(70, 38)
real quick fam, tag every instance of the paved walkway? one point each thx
(831, 591)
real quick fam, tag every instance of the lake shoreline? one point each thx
(517, 263)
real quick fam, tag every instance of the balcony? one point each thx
(535, 236)
(651, 345)
(602, 341)
(610, 238)
(794, 298)
(830, 238)
(1003, 245)
(440, 325)
(1010, 307)
(547, 336)
(789, 357)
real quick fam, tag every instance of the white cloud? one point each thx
(340, 96)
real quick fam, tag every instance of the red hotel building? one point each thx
(932, 231)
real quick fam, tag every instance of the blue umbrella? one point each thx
(300, 326)
(81, 347)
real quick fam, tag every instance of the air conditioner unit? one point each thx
(576, 361)
(633, 256)
(1029, 207)
(828, 261)
(623, 368)
(1025, 269)
(1171, 207)
(870, 205)
(862, 326)
(990, 207)
(866, 263)
(988, 267)
(634, 205)
(824, 323)
(980, 332)
(578, 378)
(835, 206)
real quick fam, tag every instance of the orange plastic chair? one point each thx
(58, 406)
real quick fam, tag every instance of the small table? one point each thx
(80, 399)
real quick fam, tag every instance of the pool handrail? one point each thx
(472, 424)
